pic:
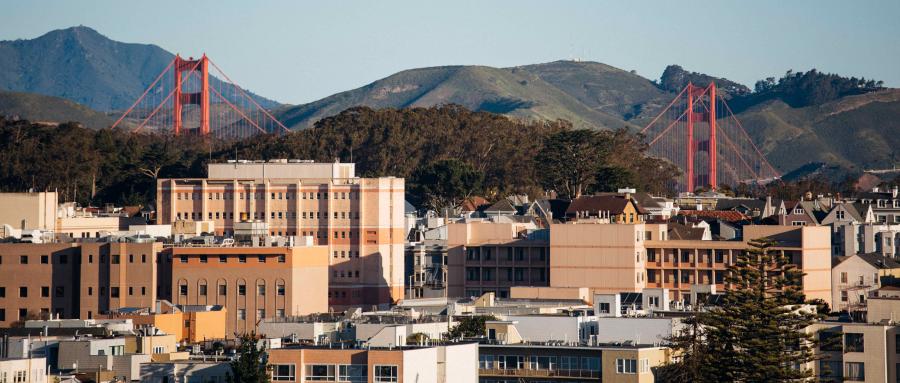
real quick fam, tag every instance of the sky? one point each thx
(301, 51)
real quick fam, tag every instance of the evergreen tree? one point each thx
(251, 365)
(758, 332)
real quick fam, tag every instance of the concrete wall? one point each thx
(638, 330)
(546, 328)
(34, 369)
(460, 363)
(420, 365)
(607, 258)
(183, 372)
(36, 210)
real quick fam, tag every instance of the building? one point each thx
(252, 283)
(77, 280)
(613, 258)
(360, 220)
(445, 363)
(606, 208)
(855, 277)
(184, 371)
(560, 362)
(866, 351)
(28, 211)
(487, 256)
(191, 324)
(98, 355)
(32, 370)
(885, 204)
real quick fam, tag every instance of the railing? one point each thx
(524, 372)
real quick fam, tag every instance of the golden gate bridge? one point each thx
(699, 133)
(183, 100)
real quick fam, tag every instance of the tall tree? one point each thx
(251, 364)
(445, 184)
(758, 332)
(571, 159)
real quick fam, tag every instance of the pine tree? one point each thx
(758, 333)
(251, 365)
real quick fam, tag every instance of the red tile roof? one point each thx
(725, 215)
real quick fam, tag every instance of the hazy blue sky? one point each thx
(300, 51)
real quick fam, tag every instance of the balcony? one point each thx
(523, 372)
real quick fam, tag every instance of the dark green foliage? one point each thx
(800, 89)
(444, 184)
(471, 326)
(37, 107)
(674, 78)
(755, 335)
(251, 364)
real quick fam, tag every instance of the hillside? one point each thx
(41, 108)
(84, 66)
(590, 95)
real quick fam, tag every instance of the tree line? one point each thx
(446, 153)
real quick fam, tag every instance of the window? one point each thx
(626, 366)
(60, 291)
(604, 308)
(353, 373)
(853, 343)
(486, 361)
(2, 292)
(242, 258)
(114, 292)
(182, 290)
(281, 258)
(320, 372)
(279, 313)
(45, 259)
(45, 291)
(260, 314)
(839, 214)
(843, 277)
(203, 259)
(223, 290)
(202, 290)
(284, 372)
(184, 259)
(854, 371)
(241, 314)
(23, 292)
(261, 290)
(262, 259)
(23, 259)
(280, 289)
(385, 373)
(242, 289)
(223, 259)
(115, 259)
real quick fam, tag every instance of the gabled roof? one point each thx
(678, 231)
(596, 203)
(473, 203)
(877, 261)
(501, 206)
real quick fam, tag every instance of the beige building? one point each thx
(862, 352)
(612, 258)
(485, 256)
(252, 283)
(853, 278)
(28, 211)
(360, 220)
(450, 363)
(32, 370)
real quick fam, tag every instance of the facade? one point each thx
(426, 269)
(185, 371)
(450, 363)
(855, 277)
(28, 211)
(515, 363)
(79, 280)
(30, 370)
(613, 258)
(360, 220)
(485, 256)
(252, 283)
(191, 324)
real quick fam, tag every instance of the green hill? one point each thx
(39, 108)
(84, 66)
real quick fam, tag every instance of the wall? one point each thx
(638, 330)
(420, 365)
(33, 368)
(37, 210)
(607, 258)
(460, 363)
(51, 287)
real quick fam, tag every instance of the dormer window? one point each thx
(881, 203)
(839, 214)
(798, 210)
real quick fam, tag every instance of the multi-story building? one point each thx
(612, 258)
(885, 204)
(360, 220)
(426, 269)
(28, 211)
(555, 362)
(867, 351)
(455, 362)
(486, 256)
(855, 277)
(77, 280)
(252, 283)
(32, 370)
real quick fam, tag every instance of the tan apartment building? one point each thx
(485, 256)
(613, 258)
(28, 211)
(867, 351)
(77, 280)
(360, 220)
(448, 363)
(252, 283)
